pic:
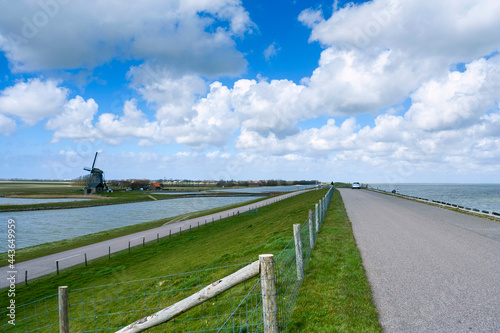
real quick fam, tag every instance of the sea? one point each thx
(479, 196)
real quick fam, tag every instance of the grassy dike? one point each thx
(335, 295)
(229, 241)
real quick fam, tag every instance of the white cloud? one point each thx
(460, 99)
(460, 31)
(7, 125)
(271, 51)
(209, 122)
(34, 35)
(172, 96)
(214, 122)
(33, 100)
(314, 141)
(75, 122)
(352, 82)
(268, 107)
(116, 129)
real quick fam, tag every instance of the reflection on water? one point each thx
(38, 227)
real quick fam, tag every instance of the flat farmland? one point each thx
(33, 187)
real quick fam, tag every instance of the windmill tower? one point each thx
(96, 183)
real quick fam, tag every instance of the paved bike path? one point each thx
(46, 265)
(430, 269)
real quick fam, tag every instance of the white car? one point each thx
(355, 185)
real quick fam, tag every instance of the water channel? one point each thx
(23, 201)
(42, 226)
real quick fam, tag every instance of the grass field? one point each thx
(231, 241)
(33, 187)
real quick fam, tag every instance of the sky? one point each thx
(392, 91)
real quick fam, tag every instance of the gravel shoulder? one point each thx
(430, 269)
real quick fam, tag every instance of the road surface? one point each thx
(46, 265)
(430, 269)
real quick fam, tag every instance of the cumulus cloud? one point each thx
(314, 141)
(173, 96)
(349, 82)
(209, 122)
(378, 52)
(187, 35)
(75, 122)
(133, 123)
(267, 107)
(446, 28)
(33, 100)
(7, 125)
(460, 99)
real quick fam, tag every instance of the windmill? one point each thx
(96, 183)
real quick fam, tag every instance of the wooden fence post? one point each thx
(320, 211)
(316, 211)
(311, 229)
(268, 290)
(298, 252)
(63, 310)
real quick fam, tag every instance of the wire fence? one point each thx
(108, 308)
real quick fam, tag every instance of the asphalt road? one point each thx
(430, 269)
(46, 265)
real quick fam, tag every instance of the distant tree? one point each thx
(140, 183)
(80, 181)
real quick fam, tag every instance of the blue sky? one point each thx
(371, 91)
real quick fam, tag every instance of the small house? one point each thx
(155, 187)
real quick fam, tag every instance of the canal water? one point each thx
(42, 226)
(22, 201)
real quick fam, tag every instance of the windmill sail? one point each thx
(94, 160)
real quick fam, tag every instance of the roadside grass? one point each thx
(234, 240)
(32, 252)
(335, 295)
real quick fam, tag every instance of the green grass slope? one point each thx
(335, 295)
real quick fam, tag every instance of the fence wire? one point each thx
(108, 308)
(39, 316)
